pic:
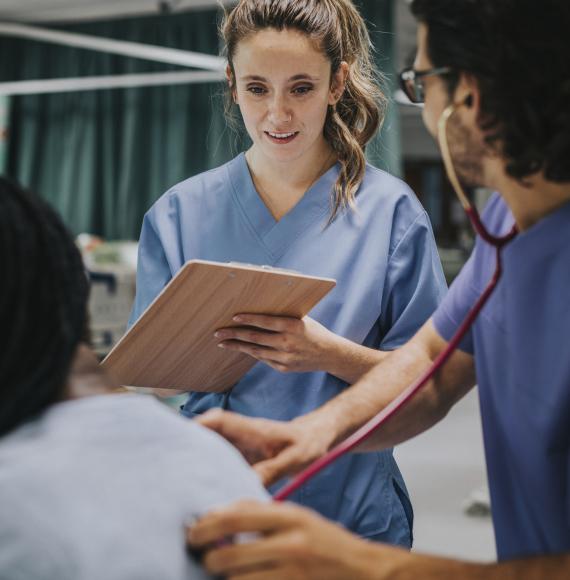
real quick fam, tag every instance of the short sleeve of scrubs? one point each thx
(455, 306)
(411, 294)
(155, 268)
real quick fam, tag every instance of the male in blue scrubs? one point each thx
(505, 64)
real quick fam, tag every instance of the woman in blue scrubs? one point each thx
(303, 198)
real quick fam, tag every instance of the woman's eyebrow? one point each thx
(301, 76)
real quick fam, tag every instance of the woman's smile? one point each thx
(281, 138)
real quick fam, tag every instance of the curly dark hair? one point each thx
(519, 53)
(43, 305)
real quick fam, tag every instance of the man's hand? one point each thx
(274, 448)
(293, 543)
(285, 344)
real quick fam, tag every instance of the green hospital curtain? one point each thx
(103, 157)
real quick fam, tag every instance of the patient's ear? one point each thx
(86, 376)
(84, 360)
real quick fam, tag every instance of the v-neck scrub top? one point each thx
(389, 281)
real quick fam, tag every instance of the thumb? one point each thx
(225, 423)
(288, 462)
(255, 438)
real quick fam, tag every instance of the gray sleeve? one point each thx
(224, 480)
(239, 480)
(28, 550)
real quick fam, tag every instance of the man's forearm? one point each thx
(365, 399)
(406, 566)
(359, 403)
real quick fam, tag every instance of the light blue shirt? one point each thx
(100, 488)
(520, 343)
(389, 282)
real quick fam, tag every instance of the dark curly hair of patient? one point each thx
(43, 298)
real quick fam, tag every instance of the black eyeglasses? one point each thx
(412, 84)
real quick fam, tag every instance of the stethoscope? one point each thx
(401, 401)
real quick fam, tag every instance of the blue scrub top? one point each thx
(521, 344)
(389, 282)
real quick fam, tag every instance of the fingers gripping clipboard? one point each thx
(172, 345)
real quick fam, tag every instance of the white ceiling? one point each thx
(67, 10)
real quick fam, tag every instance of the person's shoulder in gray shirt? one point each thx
(102, 487)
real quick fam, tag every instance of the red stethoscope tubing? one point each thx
(403, 399)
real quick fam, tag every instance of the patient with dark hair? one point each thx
(94, 484)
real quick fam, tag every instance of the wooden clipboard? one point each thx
(172, 345)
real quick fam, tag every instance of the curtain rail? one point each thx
(36, 87)
(120, 47)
